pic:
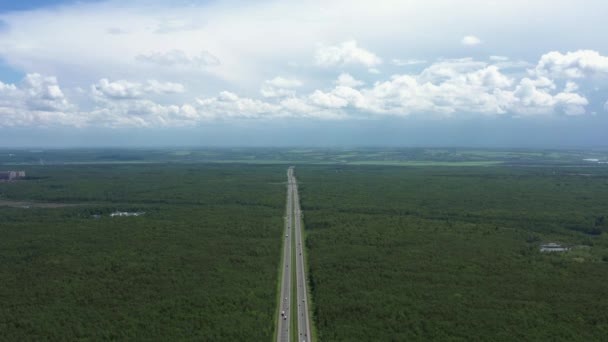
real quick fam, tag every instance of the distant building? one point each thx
(553, 247)
(126, 213)
(11, 175)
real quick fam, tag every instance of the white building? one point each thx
(553, 247)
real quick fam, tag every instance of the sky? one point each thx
(304, 73)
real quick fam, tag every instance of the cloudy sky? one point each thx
(275, 73)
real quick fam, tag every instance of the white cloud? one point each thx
(463, 86)
(571, 103)
(532, 96)
(142, 113)
(280, 87)
(347, 80)
(122, 89)
(346, 53)
(407, 62)
(281, 82)
(328, 100)
(570, 87)
(445, 88)
(450, 68)
(118, 89)
(5, 86)
(489, 77)
(44, 94)
(177, 57)
(470, 40)
(229, 105)
(499, 58)
(577, 64)
(36, 101)
(157, 87)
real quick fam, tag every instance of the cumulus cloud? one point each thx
(450, 68)
(178, 57)
(533, 96)
(280, 87)
(37, 100)
(44, 94)
(577, 64)
(463, 86)
(451, 87)
(346, 53)
(570, 87)
(499, 58)
(118, 89)
(157, 87)
(6, 87)
(143, 113)
(229, 105)
(347, 80)
(122, 89)
(406, 62)
(470, 40)
(281, 82)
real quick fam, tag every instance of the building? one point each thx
(11, 175)
(553, 247)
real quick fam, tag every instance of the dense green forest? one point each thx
(395, 253)
(200, 264)
(401, 254)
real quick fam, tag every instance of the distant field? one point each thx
(426, 163)
(342, 156)
(200, 264)
(430, 253)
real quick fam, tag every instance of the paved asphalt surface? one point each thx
(293, 219)
(284, 312)
(303, 318)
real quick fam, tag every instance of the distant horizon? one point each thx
(300, 147)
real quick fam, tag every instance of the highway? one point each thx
(302, 294)
(285, 299)
(293, 220)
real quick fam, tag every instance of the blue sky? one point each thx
(24, 5)
(438, 72)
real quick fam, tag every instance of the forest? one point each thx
(432, 253)
(393, 253)
(200, 264)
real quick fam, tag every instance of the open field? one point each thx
(343, 156)
(453, 253)
(200, 264)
